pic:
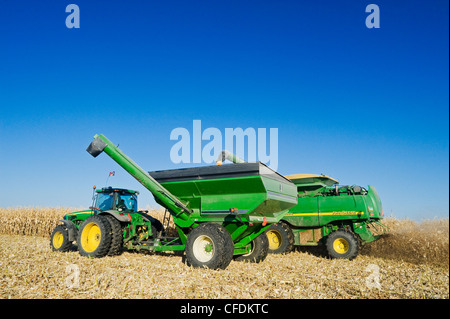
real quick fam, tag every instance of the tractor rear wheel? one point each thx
(209, 245)
(342, 244)
(116, 236)
(258, 252)
(59, 240)
(94, 237)
(281, 238)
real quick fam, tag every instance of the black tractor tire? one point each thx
(210, 246)
(281, 238)
(116, 236)
(155, 232)
(343, 244)
(159, 228)
(94, 237)
(59, 239)
(259, 251)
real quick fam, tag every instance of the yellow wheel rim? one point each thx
(90, 237)
(58, 239)
(340, 245)
(274, 239)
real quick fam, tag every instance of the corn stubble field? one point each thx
(411, 262)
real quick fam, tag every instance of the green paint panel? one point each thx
(263, 193)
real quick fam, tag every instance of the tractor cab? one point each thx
(116, 199)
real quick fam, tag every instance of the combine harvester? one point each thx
(219, 212)
(341, 218)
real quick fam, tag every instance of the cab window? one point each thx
(126, 202)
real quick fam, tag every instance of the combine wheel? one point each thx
(209, 245)
(94, 237)
(281, 238)
(258, 252)
(342, 244)
(59, 240)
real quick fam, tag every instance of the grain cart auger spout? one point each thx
(220, 212)
(162, 195)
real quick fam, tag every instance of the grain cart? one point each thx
(219, 212)
(339, 217)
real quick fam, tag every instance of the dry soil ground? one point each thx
(29, 269)
(412, 262)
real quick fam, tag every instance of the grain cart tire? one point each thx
(342, 244)
(259, 251)
(209, 245)
(94, 237)
(59, 240)
(116, 236)
(281, 238)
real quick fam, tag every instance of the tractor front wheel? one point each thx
(342, 244)
(94, 237)
(209, 245)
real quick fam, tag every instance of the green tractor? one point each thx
(220, 212)
(342, 218)
(115, 211)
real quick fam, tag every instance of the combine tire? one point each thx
(259, 251)
(59, 240)
(281, 238)
(342, 244)
(116, 236)
(209, 245)
(94, 237)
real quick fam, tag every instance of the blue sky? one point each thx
(365, 106)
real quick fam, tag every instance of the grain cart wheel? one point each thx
(342, 244)
(116, 236)
(209, 245)
(281, 238)
(258, 252)
(94, 237)
(59, 240)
